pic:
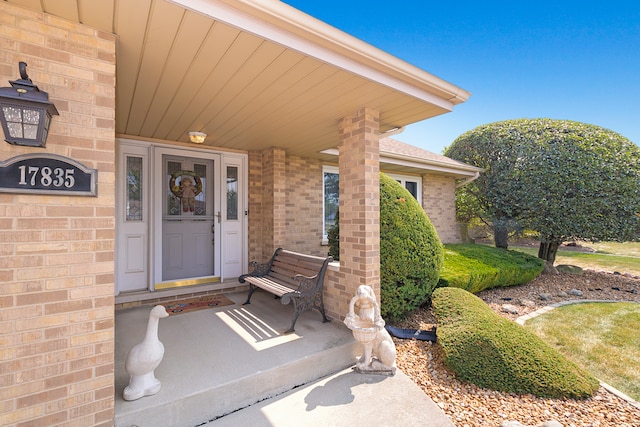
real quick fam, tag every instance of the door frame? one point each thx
(136, 279)
(154, 203)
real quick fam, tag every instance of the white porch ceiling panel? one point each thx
(250, 73)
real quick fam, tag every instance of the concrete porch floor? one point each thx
(236, 363)
(219, 360)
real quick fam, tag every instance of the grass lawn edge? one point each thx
(523, 319)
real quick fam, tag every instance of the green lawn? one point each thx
(621, 257)
(601, 337)
(627, 248)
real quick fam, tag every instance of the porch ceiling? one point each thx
(249, 73)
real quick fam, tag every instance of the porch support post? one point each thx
(274, 199)
(359, 170)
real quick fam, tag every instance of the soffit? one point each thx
(250, 73)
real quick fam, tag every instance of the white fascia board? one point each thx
(307, 38)
(431, 165)
(462, 170)
(404, 160)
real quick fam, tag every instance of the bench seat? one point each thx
(269, 285)
(293, 277)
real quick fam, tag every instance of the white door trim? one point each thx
(132, 249)
(234, 233)
(153, 202)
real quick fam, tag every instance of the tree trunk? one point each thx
(547, 251)
(501, 235)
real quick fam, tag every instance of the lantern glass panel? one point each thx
(31, 116)
(12, 114)
(15, 130)
(22, 122)
(31, 131)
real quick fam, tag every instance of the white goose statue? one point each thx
(144, 358)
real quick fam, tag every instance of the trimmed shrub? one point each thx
(478, 267)
(333, 236)
(410, 252)
(493, 352)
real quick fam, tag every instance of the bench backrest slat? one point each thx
(295, 268)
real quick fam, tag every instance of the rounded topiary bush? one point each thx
(410, 252)
(493, 352)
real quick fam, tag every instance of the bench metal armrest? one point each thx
(259, 270)
(306, 284)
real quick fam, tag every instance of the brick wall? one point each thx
(304, 206)
(439, 202)
(296, 219)
(301, 230)
(256, 208)
(57, 252)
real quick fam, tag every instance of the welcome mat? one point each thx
(195, 304)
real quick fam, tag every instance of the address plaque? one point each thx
(47, 174)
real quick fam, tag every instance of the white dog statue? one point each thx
(379, 351)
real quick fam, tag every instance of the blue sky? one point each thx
(574, 60)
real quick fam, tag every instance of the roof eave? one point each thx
(459, 170)
(294, 29)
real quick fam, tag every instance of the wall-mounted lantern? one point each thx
(25, 111)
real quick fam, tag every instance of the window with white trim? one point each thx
(413, 184)
(330, 194)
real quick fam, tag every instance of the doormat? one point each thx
(195, 304)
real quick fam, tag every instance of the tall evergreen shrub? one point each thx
(333, 236)
(411, 253)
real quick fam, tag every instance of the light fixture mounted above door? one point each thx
(197, 137)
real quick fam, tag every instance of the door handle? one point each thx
(219, 216)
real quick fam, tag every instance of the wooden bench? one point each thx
(292, 277)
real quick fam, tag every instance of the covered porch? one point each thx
(233, 366)
(262, 80)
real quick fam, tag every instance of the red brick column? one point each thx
(359, 169)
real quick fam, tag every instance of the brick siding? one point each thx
(439, 202)
(304, 205)
(300, 179)
(57, 252)
(256, 209)
(297, 221)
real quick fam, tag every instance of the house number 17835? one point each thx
(46, 176)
